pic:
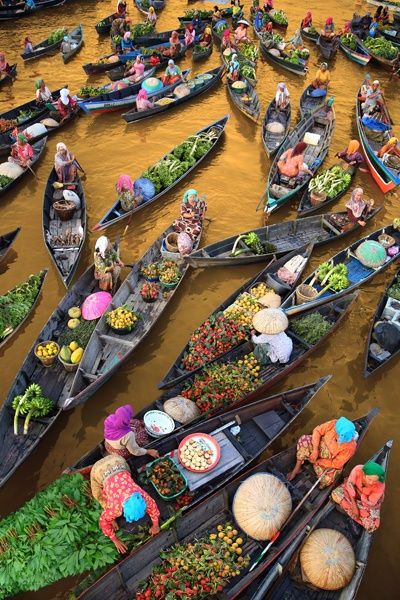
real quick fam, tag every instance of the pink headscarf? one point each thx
(127, 36)
(226, 34)
(142, 95)
(356, 205)
(124, 183)
(329, 21)
(118, 424)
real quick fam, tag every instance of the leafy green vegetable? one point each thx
(332, 181)
(279, 17)
(249, 51)
(89, 91)
(16, 303)
(141, 29)
(311, 328)
(349, 40)
(81, 334)
(56, 36)
(394, 290)
(381, 47)
(248, 72)
(253, 242)
(4, 181)
(29, 113)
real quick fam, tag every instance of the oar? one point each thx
(290, 517)
(79, 167)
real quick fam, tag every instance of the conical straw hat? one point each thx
(270, 300)
(270, 320)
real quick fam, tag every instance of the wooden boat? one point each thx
(273, 141)
(392, 34)
(117, 72)
(372, 146)
(306, 207)
(276, 24)
(285, 236)
(64, 256)
(121, 99)
(311, 36)
(202, 83)
(321, 123)
(9, 77)
(242, 60)
(125, 577)
(284, 579)
(199, 55)
(248, 102)
(12, 332)
(6, 242)
(384, 62)
(159, 37)
(268, 51)
(360, 55)
(38, 149)
(10, 13)
(144, 9)
(108, 350)
(310, 104)
(104, 26)
(358, 274)
(225, 12)
(41, 49)
(328, 46)
(109, 90)
(116, 214)
(76, 38)
(267, 275)
(386, 311)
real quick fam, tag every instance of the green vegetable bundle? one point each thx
(4, 181)
(332, 181)
(333, 277)
(394, 290)
(89, 91)
(293, 57)
(29, 113)
(349, 40)
(249, 51)
(203, 14)
(381, 47)
(248, 72)
(141, 29)
(279, 17)
(32, 404)
(311, 328)
(81, 334)
(56, 36)
(16, 303)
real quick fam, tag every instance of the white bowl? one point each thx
(158, 423)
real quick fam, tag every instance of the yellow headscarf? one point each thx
(353, 146)
(207, 31)
(393, 141)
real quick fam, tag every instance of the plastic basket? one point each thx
(174, 466)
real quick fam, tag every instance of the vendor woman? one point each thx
(351, 155)
(328, 449)
(21, 152)
(357, 207)
(361, 495)
(118, 494)
(107, 265)
(172, 73)
(272, 345)
(126, 436)
(65, 164)
(193, 209)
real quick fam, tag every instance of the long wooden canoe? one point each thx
(310, 104)
(76, 39)
(10, 13)
(268, 46)
(124, 578)
(202, 53)
(248, 103)
(104, 26)
(202, 83)
(361, 37)
(285, 236)
(38, 149)
(116, 214)
(267, 275)
(306, 207)
(6, 242)
(279, 583)
(311, 36)
(360, 55)
(321, 123)
(114, 73)
(328, 47)
(389, 314)
(42, 48)
(358, 274)
(273, 141)
(64, 257)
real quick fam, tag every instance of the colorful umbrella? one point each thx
(96, 305)
(119, 85)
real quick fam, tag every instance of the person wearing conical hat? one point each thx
(272, 344)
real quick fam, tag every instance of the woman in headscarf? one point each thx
(328, 449)
(143, 102)
(175, 45)
(322, 77)
(28, 46)
(241, 32)
(329, 28)
(126, 193)
(357, 207)
(113, 487)
(226, 39)
(172, 73)
(391, 147)
(4, 66)
(190, 35)
(66, 45)
(21, 151)
(121, 8)
(43, 94)
(126, 42)
(206, 38)
(272, 344)
(268, 5)
(307, 21)
(291, 163)
(64, 163)
(236, 8)
(258, 20)
(136, 71)
(351, 155)
(64, 106)
(151, 16)
(107, 265)
(282, 97)
(193, 209)
(361, 495)
(125, 436)
(233, 68)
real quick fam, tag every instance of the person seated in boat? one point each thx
(241, 32)
(271, 343)
(121, 9)
(193, 209)
(391, 148)
(65, 164)
(307, 21)
(346, 28)
(226, 39)
(328, 449)
(358, 208)
(233, 68)
(126, 42)
(125, 190)
(378, 13)
(120, 26)
(197, 22)
(64, 106)
(21, 151)
(258, 20)
(291, 163)
(43, 94)
(151, 16)
(107, 265)
(154, 59)
(172, 73)
(113, 487)
(236, 8)
(329, 28)
(268, 5)
(126, 436)
(385, 19)
(282, 97)
(361, 495)
(373, 30)
(206, 38)
(142, 101)
(5, 68)
(175, 45)
(28, 46)
(217, 14)
(351, 155)
(322, 77)
(190, 35)
(365, 87)
(136, 71)
(66, 45)
(373, 99)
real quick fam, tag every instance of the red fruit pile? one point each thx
(149, 291)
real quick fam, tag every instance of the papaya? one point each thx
(76, 356)
(65, 354)
(73, 346)
(72, 323)
(74, 312)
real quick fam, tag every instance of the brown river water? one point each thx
(233, 180)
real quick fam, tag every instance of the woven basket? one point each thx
(68, 366)
(64, 209)
(305, 293)
(317, 198)
(386, 240)
(46, 361)
(171, 242)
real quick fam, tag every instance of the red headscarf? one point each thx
(299, 149)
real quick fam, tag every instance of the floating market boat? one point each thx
(205, 15)
(117, 72)
(76, 40)
(247, 66)
(357, 273)
(38, 149)
(284, 579)
(12, 330)
(278, 18)
(6, 242)
(9, 77)
(246, 100)
(309, 33)
(111, 91)
(201, 53)
(273, 140)
(391, 32)
(203, 519)
(104, 26)
(158, 37)
(165, 100)
(310, 202)
(359, 55)
(43, 48)
(64, 237)
(277, 239)
(143, 5)
(19, 10)
(116, 214)
(387, 313)
(318, 127)
(328, 46)
(269, 277)
(276, 56)
(309, 103)
(361, 38)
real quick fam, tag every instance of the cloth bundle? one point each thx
(288, 273)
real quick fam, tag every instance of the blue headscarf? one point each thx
(188, 193)
(345, 430)
(134, 508)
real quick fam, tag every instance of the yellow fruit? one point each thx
(239, 541)
(76, 356)
(238, 551)
(72, 323)
(221, 535)
(74, 312)
(219, 528)
(73, 346)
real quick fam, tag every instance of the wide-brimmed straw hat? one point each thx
(270, 321)
(270, 300)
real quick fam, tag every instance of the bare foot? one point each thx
(290, 476)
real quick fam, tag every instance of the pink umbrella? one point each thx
(119, 85)
(96, 305)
